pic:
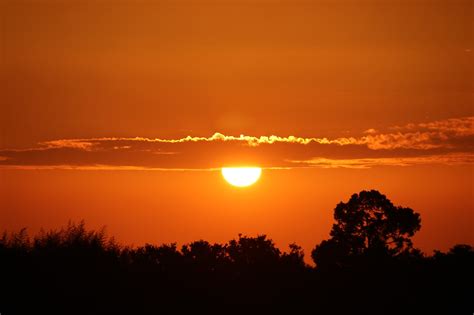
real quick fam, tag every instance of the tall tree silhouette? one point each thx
(367, 223)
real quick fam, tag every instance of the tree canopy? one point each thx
(368, 223)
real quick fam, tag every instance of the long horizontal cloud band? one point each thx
(447, 142)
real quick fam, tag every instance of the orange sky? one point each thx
(98, 99)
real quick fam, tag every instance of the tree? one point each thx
(253, 251)
(294, 259)
(203, 256)
(368, 223)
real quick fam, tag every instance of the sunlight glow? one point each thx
(241, 176)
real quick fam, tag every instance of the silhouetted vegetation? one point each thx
(368, 266)
(367, 226)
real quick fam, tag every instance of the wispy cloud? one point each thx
(447, 141)
(99, 167)
(69, 143)
(422, 136)
(459, 126)
(249, 140)
(363, 163)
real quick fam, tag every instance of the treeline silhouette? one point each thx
(367, 266)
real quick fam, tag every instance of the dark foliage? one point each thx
(369, 266)
(367, 225)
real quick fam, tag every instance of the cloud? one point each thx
(363, 163)
(446, 141)
(249, 140)
(370, 131)
(459, 126)
(411, 140)
(73, 143)
(422, 136)
(100, 167)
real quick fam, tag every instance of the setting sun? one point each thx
(241, 176)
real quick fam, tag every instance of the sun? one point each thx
(241, 176)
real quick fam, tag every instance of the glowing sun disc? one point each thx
(241, 176)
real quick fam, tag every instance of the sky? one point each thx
(122, 114)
